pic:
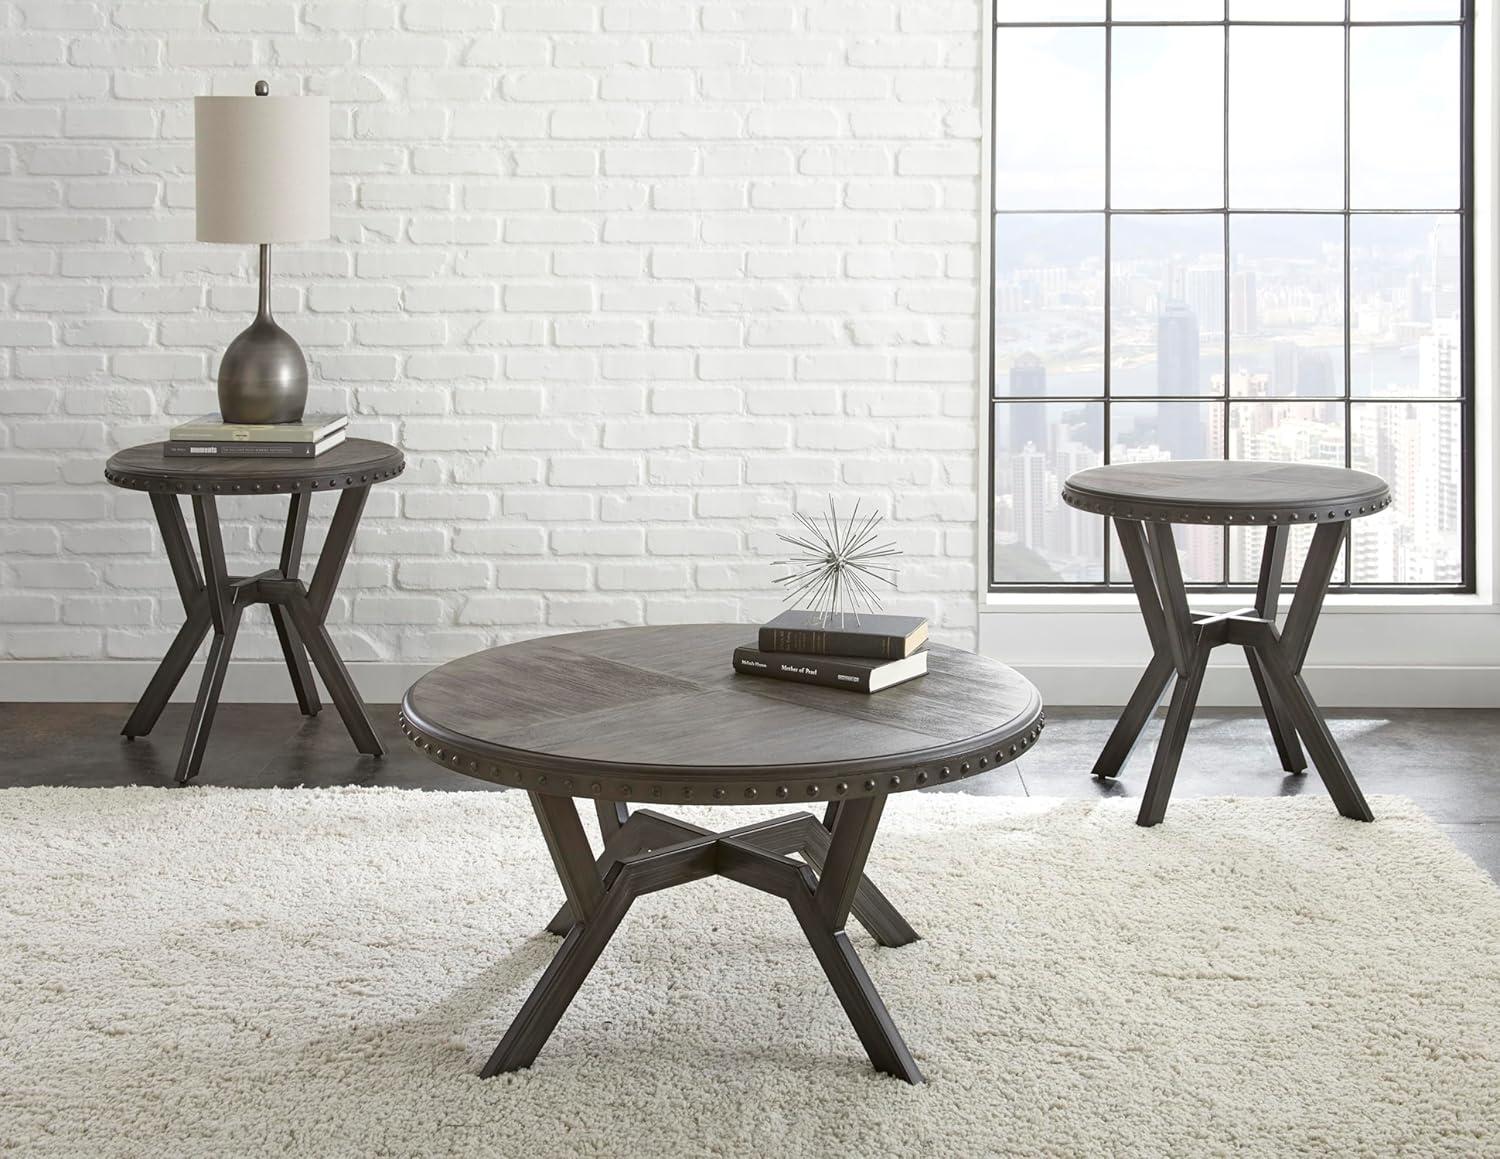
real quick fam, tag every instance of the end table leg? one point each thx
(336, 679)
(1313, 729)
(1141, 706)
(184, 647)
(286, 632)
(1283, 732)
(1267, 598)
(295, 656)
(170, 672)
(224, 613)
(196, 741)
(308, 613)
(1173, 737)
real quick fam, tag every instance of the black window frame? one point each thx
(1114, 578)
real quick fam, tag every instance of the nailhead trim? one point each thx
(605, 789)
(189, 485)
(1164, 514)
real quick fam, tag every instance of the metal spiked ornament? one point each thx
(837, 568)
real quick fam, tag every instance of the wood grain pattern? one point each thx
(353, 463)
(1219, 491)
(649, 714)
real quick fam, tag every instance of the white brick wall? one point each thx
(629, 281)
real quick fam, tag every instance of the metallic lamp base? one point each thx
(263, 374)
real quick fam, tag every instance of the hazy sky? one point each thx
(1286, 117)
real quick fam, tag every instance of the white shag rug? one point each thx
(233, 972)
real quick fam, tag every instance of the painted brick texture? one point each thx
(629, 282)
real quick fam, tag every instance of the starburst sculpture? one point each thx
(837, 568)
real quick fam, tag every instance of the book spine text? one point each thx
(818, 642)
(802, 669)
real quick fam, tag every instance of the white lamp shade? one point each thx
(262, 168)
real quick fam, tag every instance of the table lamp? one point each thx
(262, 178)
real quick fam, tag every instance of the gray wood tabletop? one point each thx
(1227, 491)
(655, 714)
(353, 463)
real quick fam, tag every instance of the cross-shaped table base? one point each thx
(1183, 640)
(648, 851)
(218, 601)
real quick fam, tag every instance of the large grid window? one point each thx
(1240, 229)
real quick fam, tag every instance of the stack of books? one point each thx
(863, 653)
(210, 436)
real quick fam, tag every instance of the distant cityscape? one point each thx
(1281, 308)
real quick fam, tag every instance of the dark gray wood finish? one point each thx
(658, 714)
(215, 600)
(353, 463)
(649, 714)
(1219, 491)
(1145, 500)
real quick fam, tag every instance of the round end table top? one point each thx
(353, 463)
(1227, 491)
(658, 714)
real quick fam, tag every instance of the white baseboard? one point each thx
(383, 682)
(1334, 686)
(246, 682)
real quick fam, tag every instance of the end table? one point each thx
(217, 599)
(1145, 499)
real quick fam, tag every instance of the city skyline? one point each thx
(1283, 399)
(1250, 295)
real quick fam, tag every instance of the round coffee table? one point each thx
(658, 715)
(1145, 499)
(212, 598)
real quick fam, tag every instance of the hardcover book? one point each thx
(182, 449)
(879, 637)
(209, 429)
(855, 673)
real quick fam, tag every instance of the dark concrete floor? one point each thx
(1447, 760)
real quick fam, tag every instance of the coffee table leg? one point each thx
(602, 905)
(821, 905)
(630, 835)
(871, 907)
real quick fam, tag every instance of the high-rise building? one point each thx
(1242, 304)
(1203, 293)
(1283, 366)
(1029, 495)
(1180, 429)
(1028, 377)
(1315, 373)
(1438, 360)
